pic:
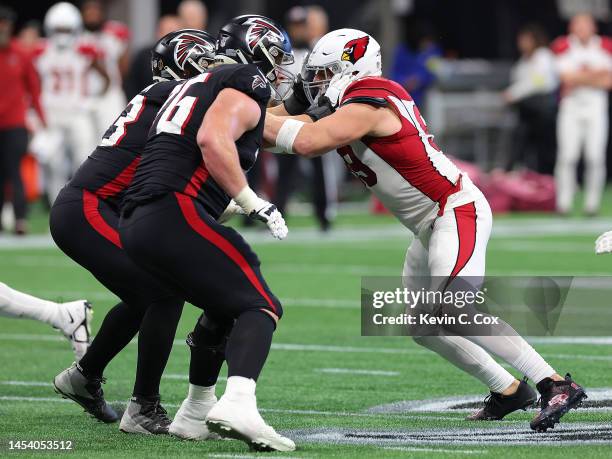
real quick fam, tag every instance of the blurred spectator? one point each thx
(193, 14)
(64, 64)
(305, 25)
(112, 38)
(20, 84)
(415, 61)
(533, 93)
(584, 62)
(29, 36)
(140, 75)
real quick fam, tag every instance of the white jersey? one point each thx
(406, 171)
(573, 55)
(64, 74)
(112, 41)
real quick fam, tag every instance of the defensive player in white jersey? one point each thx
(64, 65)
(380, 134)
(584, 62)
(72, 318)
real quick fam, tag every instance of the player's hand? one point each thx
(297, 102)
(231, 210)
(336, 88)
(320, 109)
(262, 210)
(603, 244)
(269, 214)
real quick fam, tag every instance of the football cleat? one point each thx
(145, 416)
(87, 392)
(556, 399)
(77, 319)
(189, 423)
(239, 419)
(497, 406)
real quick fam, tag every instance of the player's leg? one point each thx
(595, 160)
(84, 227)
(229, 282)
(72, 318)
(82, 138)
(569, 142)
(15, 145)
(458, 350)
(207, 343)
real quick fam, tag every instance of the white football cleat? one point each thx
(76, 328)
(238, 418)
(603, 244)
(189, 423)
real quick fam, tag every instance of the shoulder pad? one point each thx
(560, 45)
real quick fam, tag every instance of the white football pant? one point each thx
(456, 245)
(581, 127)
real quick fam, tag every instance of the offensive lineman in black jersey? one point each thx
(83, 223)
(203, 139)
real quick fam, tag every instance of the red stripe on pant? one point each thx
(465, 216)
(95, 219)
(199, 226)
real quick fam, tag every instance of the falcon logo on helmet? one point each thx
(355, 49)
(260, 28)
(187, 44)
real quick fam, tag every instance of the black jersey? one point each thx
(172, 160)
(110, 168)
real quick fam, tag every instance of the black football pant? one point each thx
(13, 146)
(85, 228)
(211, 266)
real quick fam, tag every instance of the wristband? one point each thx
(247, 199)
(287, 134)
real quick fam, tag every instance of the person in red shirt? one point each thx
(20, 88)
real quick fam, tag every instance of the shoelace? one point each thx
(490, 402)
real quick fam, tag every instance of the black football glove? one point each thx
(322, 108)
(297, 103)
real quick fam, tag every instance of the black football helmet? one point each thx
(255, 39)
(182, 54)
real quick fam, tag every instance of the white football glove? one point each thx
(260, 209)
(231, 210)
(603, 244)
(336, 88)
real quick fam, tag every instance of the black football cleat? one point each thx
(497, 406)
(145, 416)
(87, 392)
(556, 399)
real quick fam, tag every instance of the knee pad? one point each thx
(210, 333)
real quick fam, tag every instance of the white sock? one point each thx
(470, 358)
(239, 387)
(513, 348)
(199, 394)
(17, 304)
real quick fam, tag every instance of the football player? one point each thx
(64, 63)
(378, 131)
(204, 138)
(72, 318)
(83, 223)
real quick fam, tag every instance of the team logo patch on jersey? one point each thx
(355, 49)
(258, 82)
(259, 29)
(188, 44)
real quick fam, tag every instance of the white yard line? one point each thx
(356, 371)
(436, 450)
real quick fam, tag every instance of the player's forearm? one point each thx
(221, 160)
(305, 144)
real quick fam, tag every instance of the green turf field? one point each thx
(322, 380)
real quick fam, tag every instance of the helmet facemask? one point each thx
(316, 79)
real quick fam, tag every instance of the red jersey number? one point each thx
(357, 168)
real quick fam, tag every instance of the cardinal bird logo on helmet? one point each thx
(355, 49)
(186, 44)
(260, 28)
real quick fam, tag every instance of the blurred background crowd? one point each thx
(516, 90)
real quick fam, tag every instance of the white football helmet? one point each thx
(341, 52)
(63, 23)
